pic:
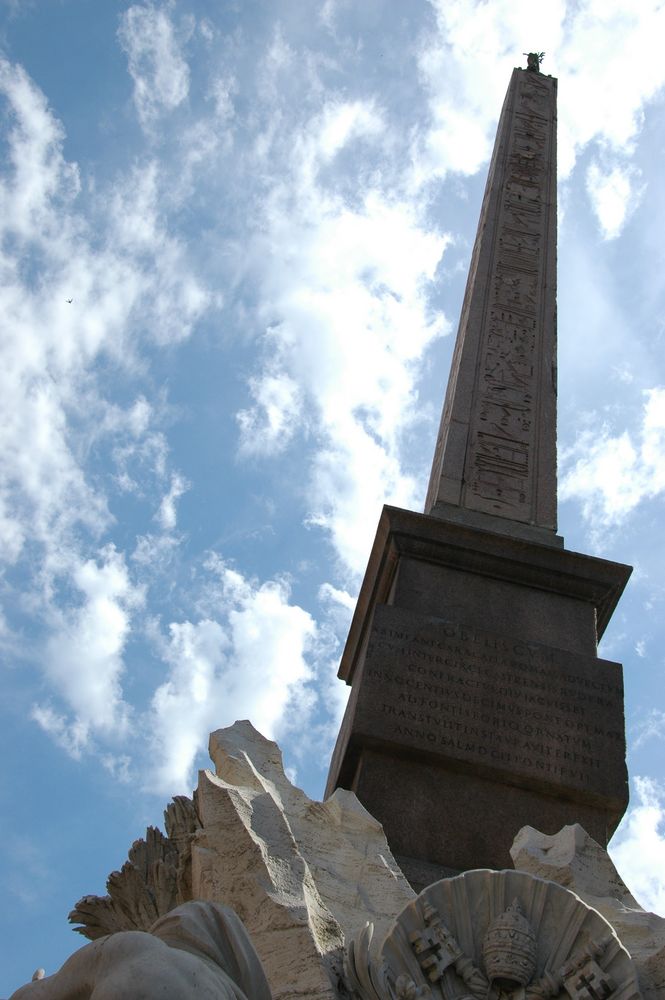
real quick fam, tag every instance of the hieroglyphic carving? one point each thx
(500, 469)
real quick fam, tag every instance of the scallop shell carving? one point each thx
(435, 947)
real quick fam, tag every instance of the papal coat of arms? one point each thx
(488, 935)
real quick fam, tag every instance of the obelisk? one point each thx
(478, 702)
(496, 450)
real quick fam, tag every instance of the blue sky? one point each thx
(263, 214)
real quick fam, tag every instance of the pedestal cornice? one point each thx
(404, 534)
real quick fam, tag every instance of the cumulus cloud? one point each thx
(84, 653)
(345, 255)
(50, 344)
(166, 297)
(338, 598)
(221, 92)
(600, 94)
(653, 727)
(601, 97)
(38, 171)
(348, 296)
(464, 66)
(346, 288)
(638, 847)
(615, 194)
(112, 254)
(167, 515)
(609, 474)
(251, 659)
(156, 63)
(268, 426)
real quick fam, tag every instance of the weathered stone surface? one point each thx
(199, 950)
(487, 934)
(573, 859)
(155, 878)
(302, 875)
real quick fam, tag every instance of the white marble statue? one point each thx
(199, 950)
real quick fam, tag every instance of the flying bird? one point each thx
(70, 301)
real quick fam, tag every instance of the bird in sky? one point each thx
(70, 301)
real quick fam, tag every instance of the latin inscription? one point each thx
(520, 707)
(500, 467)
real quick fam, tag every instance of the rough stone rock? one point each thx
(156, 878)
(199, 950)
(304, 876)
(573, 859)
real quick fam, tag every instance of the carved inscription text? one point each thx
(519, 707)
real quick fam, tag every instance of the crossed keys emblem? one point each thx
(509, 954)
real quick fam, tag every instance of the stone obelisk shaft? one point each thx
(496, 450)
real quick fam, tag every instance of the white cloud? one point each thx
(250, 661)
(116, 262)
(351, 481)
(328, 12)
(166, 516)
(653, 727)
(279, 57)
(465, 66)
(221, 92)
(601, 99)
(111, 250)
(156, 64)
(337, 597)
(155, 553)
(147, 262)
(83, 656)
(38, 172)
(638, 847)
(345, 296)
(269, 425)
(338, 606)
(609, 474)
(342, 122)
(615, 194)
(600, 94)
(72, 736)
(45, 488)
(119, 767)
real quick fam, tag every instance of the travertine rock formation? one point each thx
(573, 859)
(306, 877)
(303, 876)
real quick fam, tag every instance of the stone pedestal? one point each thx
(479, 703)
